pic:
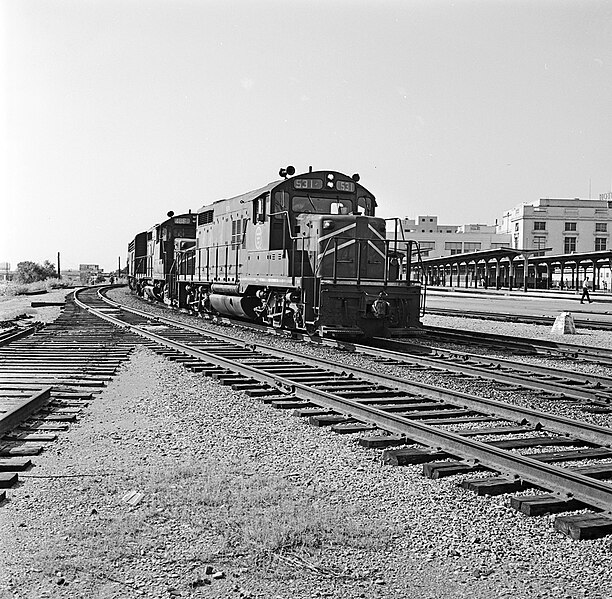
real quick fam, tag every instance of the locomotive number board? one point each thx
(308, 183)
(318, 184)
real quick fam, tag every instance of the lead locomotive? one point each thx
(305, 253)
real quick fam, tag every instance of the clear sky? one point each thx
(115, 111)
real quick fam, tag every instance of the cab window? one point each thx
(314, 205)
(366, 205)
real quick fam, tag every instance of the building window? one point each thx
(601, 227)
(539, 243)
(516, 226)
(569, 245)
(495, 246)
(427, 246)
(600, 244)
(453, 246)
(570, 226)
(472, 246)
(539, 225)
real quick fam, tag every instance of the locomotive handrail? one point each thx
(422, 278)
(286, 213)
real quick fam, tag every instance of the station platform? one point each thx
(552, 294)
(534, 302)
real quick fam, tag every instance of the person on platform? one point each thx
(585, 291)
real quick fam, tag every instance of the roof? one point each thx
(509, 253)
(485, 255)
(246, 197)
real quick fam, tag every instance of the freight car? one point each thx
(305, 252)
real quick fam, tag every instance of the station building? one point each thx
(561, 226)
(554, 242)
(437, 240)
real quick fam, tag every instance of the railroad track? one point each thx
(586, 323)
(590, 392)
(529, 346)
(12, 334)
(461, 433)
(47, 377)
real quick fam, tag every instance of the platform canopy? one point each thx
(509, 254)
(508, 267)
(480, 256)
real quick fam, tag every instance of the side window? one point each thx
(259, 209)
(366, 204)
(280, 203)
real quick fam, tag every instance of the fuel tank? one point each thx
(235, 305)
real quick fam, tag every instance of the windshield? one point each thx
(315, 205)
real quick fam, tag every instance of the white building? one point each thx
(561, 226)
(438, 240)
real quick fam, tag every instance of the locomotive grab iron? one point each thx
(305, 253)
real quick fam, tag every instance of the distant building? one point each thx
(89, 273)
(562, 226)
(438, 240)
(90, 267)
(5, 271)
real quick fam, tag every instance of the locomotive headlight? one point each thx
(328, 224)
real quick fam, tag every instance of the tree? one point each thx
(30, 272)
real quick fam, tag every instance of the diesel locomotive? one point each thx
(305, 253)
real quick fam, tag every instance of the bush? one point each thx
(31, 272)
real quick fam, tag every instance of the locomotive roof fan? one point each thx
(287, 172)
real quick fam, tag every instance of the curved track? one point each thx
(484, 434)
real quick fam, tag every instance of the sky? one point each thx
(113, 112)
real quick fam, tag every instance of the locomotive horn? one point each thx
(287, 172)
(356, 177)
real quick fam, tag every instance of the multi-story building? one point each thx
(561, 226)
(438, 240)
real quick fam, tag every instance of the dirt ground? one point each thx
(172, 485)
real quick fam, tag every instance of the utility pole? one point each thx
(118, 266)
(59, 270)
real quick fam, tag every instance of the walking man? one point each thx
(585, 291)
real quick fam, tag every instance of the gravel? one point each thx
(443, 541)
